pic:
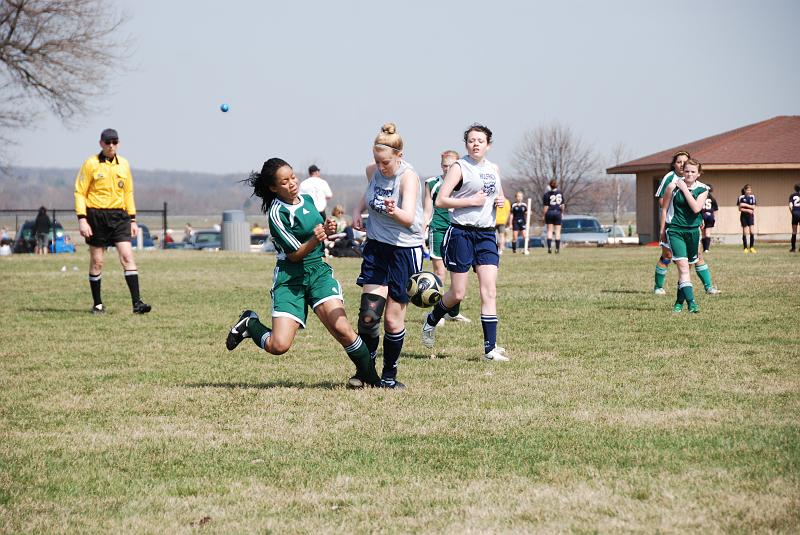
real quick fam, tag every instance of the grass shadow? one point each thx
(53, 310)
(267, 386)
(634, 292)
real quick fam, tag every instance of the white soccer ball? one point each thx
(424, 289)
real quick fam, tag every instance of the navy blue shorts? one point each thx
(518, 224)
(389, 265)
(795, 218)
(709, 221)
(747, 220)
(466, 248)
(552, 218)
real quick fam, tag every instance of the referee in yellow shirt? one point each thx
(107, 216)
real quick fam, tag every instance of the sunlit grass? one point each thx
(613, 415)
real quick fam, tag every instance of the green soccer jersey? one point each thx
(441, 216)
(679, 213)
(291, 225)
(668, 179)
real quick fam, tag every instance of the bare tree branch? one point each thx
(552, 152)
(56, 53)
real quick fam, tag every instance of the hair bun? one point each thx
(389, 128)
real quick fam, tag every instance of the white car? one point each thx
(617, 235)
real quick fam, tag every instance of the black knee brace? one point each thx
(370, 314)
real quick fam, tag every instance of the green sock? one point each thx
(661, 274)
(258, 332)
(680, 299)
(688, 291)
(705, 275)
(365, 366)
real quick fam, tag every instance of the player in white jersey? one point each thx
(472, 189)
(393, 251)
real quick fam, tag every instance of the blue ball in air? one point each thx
(224, 108)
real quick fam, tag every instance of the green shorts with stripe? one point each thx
(684, 243)
(435, 239)
(293, 294)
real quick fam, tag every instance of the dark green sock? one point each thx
(258, 331)
(688, 291)
(365, 366)
(705, 275)
(661, 275)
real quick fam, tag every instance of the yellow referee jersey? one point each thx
(104, 183)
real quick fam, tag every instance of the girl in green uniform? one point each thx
(680, 227)
(301, 278)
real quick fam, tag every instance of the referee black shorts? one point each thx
(108, 227)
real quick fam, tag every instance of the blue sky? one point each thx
(312, 81)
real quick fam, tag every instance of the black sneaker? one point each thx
(140, 307)
(99, 309)
(239, 331)
(391, 383)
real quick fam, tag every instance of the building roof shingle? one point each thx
(772, 143)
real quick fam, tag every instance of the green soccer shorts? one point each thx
(293, 294)
(436, 237)
(684, 243)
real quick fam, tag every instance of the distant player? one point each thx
(553, 210)
(437, 221)
(701, 267)
(393, 252)
(747, 217)
(301, 278)
(709, 218)
(472, 189)
(680, 227)
(518, 221)
(794, 208)
(502, 222)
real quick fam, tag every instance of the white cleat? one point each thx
(457, 317)
(495, 356)
(659, 291)
(713, 290)
(428, 335)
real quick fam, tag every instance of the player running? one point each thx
(437, 221)
(701, 267)
(747, 217)
(553, 210)
(301, 278)
(472, 189)
(680, 227)
(393, 201)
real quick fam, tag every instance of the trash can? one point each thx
(235, 231)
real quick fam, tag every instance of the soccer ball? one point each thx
(424, 289)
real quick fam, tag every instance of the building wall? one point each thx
(771, 188)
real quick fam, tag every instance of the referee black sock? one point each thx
(132, 278)
(94, 284)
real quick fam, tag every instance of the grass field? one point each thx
(613, 416)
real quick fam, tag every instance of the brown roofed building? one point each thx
(765, 155)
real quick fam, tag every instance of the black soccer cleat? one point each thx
(239, 331)
(391, 384)
(99, 309)
(140, 307)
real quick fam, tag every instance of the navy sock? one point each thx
(392, 345)
(438, 312)
(794, 241)
(558, 245)
(549, 244)
(752, 240)
(453, 312)
(744, 241)
(489, 324)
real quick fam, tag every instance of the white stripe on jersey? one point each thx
(274, 216)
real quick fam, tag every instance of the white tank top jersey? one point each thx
(477, 177)
(380, 226)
